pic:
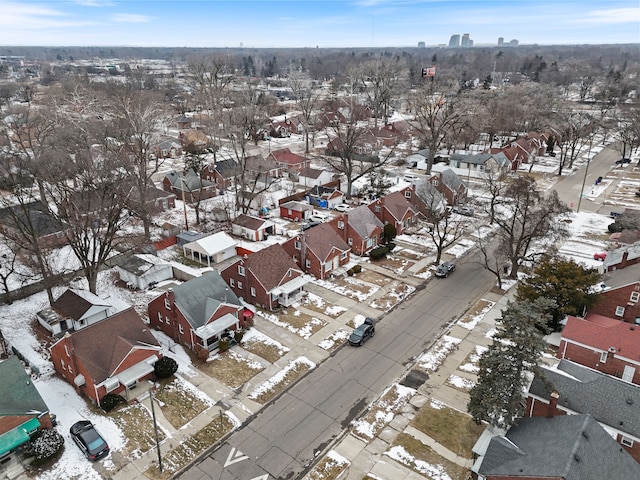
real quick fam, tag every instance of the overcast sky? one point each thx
(307, 23)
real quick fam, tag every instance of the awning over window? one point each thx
(217, 326)
(79, 380)
(17, 436)
(135, 373)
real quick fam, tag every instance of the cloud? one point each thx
(95, 3)
(131, 18)
(614, 15)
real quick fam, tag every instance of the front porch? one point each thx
(291, 292)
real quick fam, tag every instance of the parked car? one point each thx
(623, 161)
(363, 332)
(409, 177)
(615, 214)
(308, 225)
(444, 269)
(319, 217)
(463, 210)
(89, 440)
(343, 207)
(600, 256)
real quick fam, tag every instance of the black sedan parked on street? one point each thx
(89, 440)
(363, 332)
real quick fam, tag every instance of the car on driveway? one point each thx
(600, 256)
(89, 440)
(343, 207)
(363, 332)
(411, 178)
(623, 161)
(444, 269)
(463, 210)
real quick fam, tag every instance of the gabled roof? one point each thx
(364, 221)
(322, 239)
(188, 181)
(311, 172)
(19, 394)
(227, 168)
(605, 334)
(251, 222)
(451, 179)
(101, 347)
(138, 263)
(482, 158)
(607, 399)
(571, 447)
(75, 303)
(33, 214)
(297, 206)
(212, 244)
(614, 257)
(397, 205)
(200, 297)
(272, 266)
(285, 155)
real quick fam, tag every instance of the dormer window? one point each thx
(341, 225)
(240, 270)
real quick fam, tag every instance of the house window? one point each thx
(635, 296)
(308, 263)
(343, 255)
(62, 364)
(232, 282)
(626, 441)
(240, 285)
(66, 350)
(81, 322)
(340, 224)
(166, 319)
(377, 208)
(160, 317)
(435, 182)
(619, 311)
(167, 304)
(407, 194)
(603, 357)
(70, 370)
(295, 258)
(180, 329)
(350, 241)
(241, 270)
(253, 291)
(296, 245)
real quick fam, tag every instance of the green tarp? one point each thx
(17, 436)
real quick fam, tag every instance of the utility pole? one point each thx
(155, 428)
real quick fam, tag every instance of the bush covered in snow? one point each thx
(45, 445)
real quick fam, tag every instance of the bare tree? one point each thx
(526, 216)
(574, 132)
(307, 101)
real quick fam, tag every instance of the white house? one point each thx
(212, 249)
(74, 310)
(140, 270)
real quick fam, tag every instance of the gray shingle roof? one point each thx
(201, 296)
(608, 399)
(364, 221)
(572, 447)
(19, 395)
(451, 179)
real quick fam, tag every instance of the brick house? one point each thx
(224, 173)
(188, 186)
(571, 389)
(289, 161)
(115, 355)
(32, 216)
(360, 228)
(199, 312)
(268, 278)
(560, 448)
(624, 256)
(318, 250)
(622, 303)
(604, 344)
(450, 185)
(22, 411)
(395, 208)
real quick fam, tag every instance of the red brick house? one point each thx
(571, 389)
(360, 228)
(318, 251)
(395, 208)
(287, 126)
(450, 185)
(286, 159)
(199, 312)
(188, 186)
(115, 355)
(32, 216)
(296, 211)
(224, 173)
(604, 344)
(622, 303)
(268, 278)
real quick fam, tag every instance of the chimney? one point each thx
(553, 404)
(170, 296)
(623, 262)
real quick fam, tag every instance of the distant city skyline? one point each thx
(324, 24)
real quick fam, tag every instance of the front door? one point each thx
(628, 374)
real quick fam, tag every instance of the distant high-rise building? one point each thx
(466, 41)
(514, 42)
(500, 40)
(454, 41)
(421, 44)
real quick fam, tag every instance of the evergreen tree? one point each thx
(566, 282)
(509, 363)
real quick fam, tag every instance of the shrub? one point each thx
(165, 367)
(389, 232)
(237, 336)
(391, 246)
(45, 445)
(615, 227)
(378, 253)
(350, 272)
(110, 401)
(223, 345)
(357, 268)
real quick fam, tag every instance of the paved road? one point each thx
(285, 437)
